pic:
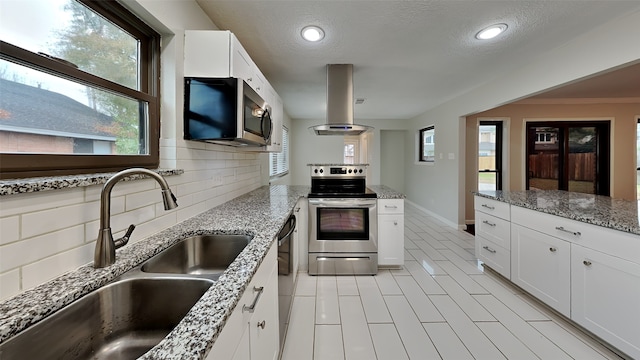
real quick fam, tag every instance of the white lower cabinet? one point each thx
(251, 331)
(494, 256)
(540, 264)
(391, 232)
(605, 297)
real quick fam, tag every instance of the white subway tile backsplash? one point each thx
(144, 198)
(41, 222)
(152, 227)
(191, 211)
(9, 284)
(29, 202)
(53, 266)
(37, 248)
(120, 222)
(92, 193)
(9, 229)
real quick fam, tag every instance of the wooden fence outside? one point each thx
(582, 166)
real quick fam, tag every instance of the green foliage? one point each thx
(100, 48)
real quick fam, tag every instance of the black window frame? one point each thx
(421, 157)
(499, 140)
(17, 165)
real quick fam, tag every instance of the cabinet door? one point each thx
(391, 239)
(241, 63)
(206, 53)
(540, 264)
(243, 352)
(605, 297)
(263, 327)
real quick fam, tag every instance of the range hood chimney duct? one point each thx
(340, 103)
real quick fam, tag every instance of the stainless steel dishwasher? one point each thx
(286, 273)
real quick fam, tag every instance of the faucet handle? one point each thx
(125, 239)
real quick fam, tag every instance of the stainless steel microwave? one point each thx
(225, 111)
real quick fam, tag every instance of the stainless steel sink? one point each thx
(199, 255)
(121, 320)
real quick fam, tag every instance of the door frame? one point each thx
(610, 119)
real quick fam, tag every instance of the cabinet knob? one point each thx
(395, 223)
(249, 79)
(587, 263)
(258, 88)
(552, 249)
(262, 324)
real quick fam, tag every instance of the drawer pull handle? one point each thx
(587, 262)
(489, 249)
(488, 207)
(252, 307)
(552, 249)
(488, 223)
(262, 324)
(390, 207)
(574, 233)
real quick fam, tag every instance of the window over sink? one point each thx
(80, 88)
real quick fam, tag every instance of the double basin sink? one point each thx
(127, 317)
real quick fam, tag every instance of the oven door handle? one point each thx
(342, 203)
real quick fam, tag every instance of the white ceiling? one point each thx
(408, 56)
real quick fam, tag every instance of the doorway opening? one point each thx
(568, 155)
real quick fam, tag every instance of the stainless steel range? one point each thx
(343, 224)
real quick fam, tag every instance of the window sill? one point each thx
(425, 163)
(37, 184)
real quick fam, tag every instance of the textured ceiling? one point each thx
(408, 56)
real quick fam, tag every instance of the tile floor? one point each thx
(441, 305)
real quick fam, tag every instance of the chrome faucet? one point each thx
(105, 253)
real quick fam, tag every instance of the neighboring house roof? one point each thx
(30, 109)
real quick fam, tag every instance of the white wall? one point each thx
(309, 148)
(440, 188)
(391, 158)
(43, 235)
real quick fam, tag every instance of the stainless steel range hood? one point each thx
(340, 103)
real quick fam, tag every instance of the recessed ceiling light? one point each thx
(312, 33)
(491, 31)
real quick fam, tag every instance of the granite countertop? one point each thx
(593, 209)
(260, 213)
(385, 192)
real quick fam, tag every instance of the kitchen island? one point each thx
(577, 253)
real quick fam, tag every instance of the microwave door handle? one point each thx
(266, 116)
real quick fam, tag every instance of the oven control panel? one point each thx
(338, 171)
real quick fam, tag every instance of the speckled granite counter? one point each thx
(593, 209)
(385, 192)
(36, 184)
(260, 213)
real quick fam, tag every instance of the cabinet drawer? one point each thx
(608, 241)
(391, 206)
(493, 207)
(493, 228)
(494, 256)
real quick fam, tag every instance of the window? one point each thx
(279, 162)
(80, 91)
(427, 144)
(351, 155)
(568, 155)
(490, 155)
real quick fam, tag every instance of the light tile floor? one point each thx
(441, 305)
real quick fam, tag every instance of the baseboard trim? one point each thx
(431, 213)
